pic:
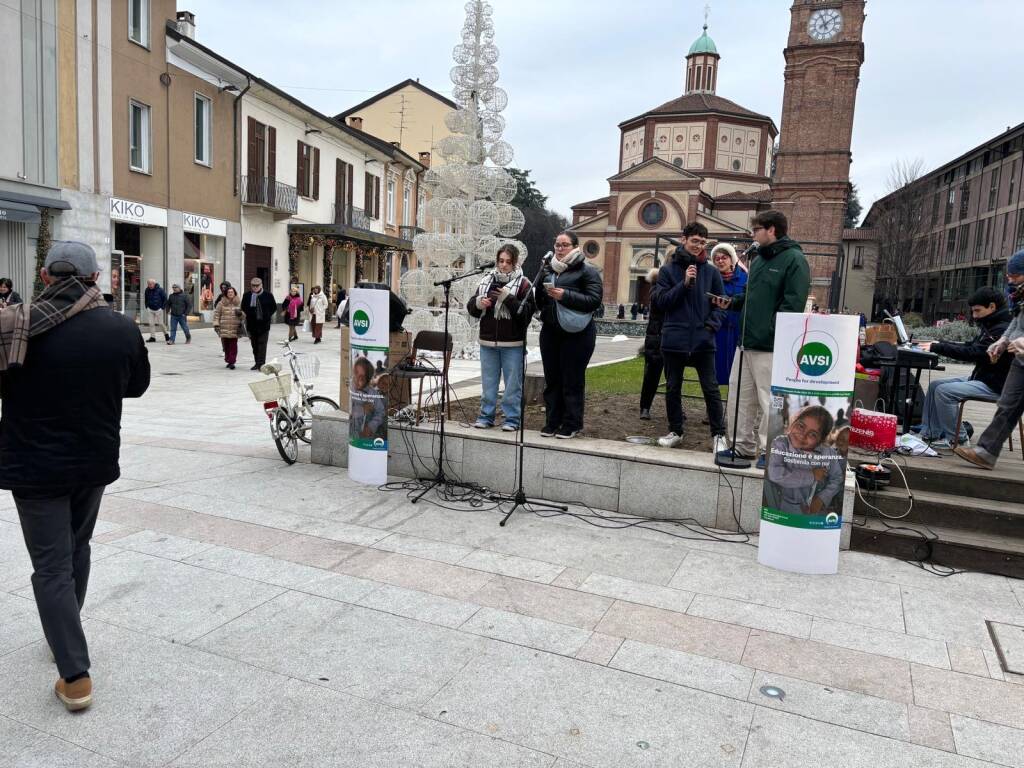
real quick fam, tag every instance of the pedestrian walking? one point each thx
(227, 323)
(569, 294)
(259, 307)
(634, 311)
(317, 306)
(8, 296)
(292, 309)
(223, 292)
(179, 304)
(155, 299)
(66, 363)
(340, 300)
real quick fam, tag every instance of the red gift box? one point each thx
(872, 431)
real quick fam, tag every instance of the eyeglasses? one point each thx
(756, 228)
(697, 241)
(563, 245)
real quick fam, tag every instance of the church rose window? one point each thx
(652, 214)
(591, 248)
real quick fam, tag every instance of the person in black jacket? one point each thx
(502, 337)
(570, 293)
(8, 296)
(259, 307)
(688, 332)
(60, 443)
(654, 364)
(988, 308)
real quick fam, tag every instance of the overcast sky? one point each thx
(939, 77)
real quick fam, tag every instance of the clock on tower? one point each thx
(812, 170)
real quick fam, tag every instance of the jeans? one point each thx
(57, 531)
(182, 321)
(501, 363)
(230, 347)
(565, 357)
(654, 364)
(155, 319)
(1009, 409)
(259, 346)
(941, 405)
(704, 363)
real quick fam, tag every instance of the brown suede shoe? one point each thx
(76, 695)
(968, 454)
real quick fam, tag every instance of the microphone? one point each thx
(672, 240)
(546, 259)
(487, 265)
(751, 250)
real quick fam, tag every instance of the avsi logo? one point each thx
(814, 359)
(360, 322)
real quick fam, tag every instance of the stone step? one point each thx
(953, 475)
(996, 518)
(952, 547)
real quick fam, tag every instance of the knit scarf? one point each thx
(575, 257)
(57, 303)
(726, 276)
(510, 284)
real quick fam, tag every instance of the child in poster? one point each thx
(805, 473)
(368, 422)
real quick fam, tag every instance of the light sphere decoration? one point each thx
(505, 187)
(500, 153)
(416, 287)
(482, 218)
(510, 220)
(419, 320)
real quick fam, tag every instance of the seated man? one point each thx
(988, 307)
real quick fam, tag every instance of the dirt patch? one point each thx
(612, 417)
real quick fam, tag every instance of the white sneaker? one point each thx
(671, 440)
(719, 443)
(481, 424)
(506, 427)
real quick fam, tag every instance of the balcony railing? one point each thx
(269, 193)
(408, 233)
(351, 216)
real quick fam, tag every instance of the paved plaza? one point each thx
(246, 613)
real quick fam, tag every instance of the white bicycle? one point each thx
(290, 409)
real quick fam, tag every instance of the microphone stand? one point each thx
(519, 497)
(441, 478)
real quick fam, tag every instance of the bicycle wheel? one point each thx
(315, 404)
(284, 437)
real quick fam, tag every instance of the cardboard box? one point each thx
(883, 332)
(399, 391)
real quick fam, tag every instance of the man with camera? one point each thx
(683, 293)
(779, 281)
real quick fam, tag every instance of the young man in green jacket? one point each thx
(779, 281)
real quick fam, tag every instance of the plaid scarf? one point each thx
(56, 304)
(507, 284)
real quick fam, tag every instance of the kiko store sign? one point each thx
(137, 213)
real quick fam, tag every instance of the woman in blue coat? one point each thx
(734, 278)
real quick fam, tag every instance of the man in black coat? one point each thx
(60, 443)
(688, 331)
(988, 308)
(259, 307)
(653, 362)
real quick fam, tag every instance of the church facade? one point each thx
(701, 157)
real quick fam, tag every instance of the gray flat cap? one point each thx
(70, 257)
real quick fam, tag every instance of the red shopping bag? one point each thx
(872, 431)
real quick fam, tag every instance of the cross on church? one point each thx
(707, 12)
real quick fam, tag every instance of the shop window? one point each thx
(138, 22)
(202, 129)
(138, 137)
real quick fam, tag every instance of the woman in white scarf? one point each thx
(497, 303)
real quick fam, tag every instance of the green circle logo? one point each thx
(360, 322)
(814, 359)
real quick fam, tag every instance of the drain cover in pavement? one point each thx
(1009, 642)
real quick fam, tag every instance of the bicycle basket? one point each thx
(308, 366)
(272, 389)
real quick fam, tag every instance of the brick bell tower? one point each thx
(823, 58)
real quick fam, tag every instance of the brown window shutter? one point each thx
(316, 173)
(339, 186)
(271, 152)
(367, 194)
(376, 196)
(253, 154)
(350, 173)
(300, 175)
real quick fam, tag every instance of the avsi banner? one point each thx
(808, 435)
(368, 412)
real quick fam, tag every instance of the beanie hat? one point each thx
(1015, 266)
(728, 249)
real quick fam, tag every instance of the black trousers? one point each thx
(704, 363)
(259, 346)
(565, 357)
(654, 364)
(57, 531)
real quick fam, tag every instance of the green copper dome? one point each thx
(703, 44)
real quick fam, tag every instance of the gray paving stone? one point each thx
(783, 740)
(249, 565)
(980, 698)
(751, 615)
(337, 586)
(138, 716)
(686, 669)
(527, 631)
(24, 747)
(512, 565)
(415, 573)
(1010, 640)
(19, 622)
(637, 592)
(599, 649)
(162, 545)
(879, 641)
(930, 728)
(428, 549)
(171, 600)
(955, 619)
(988, 741)
(313, 551)
(834, 705)
(311, 725)
(830, 666)
(363, 652)
(542, 601)
(963, 658)
(521, 695)
(421, 606)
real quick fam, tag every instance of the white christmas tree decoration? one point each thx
(471, 192)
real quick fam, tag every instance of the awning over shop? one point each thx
(10, 211)
(16, 206)
(360, 237)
